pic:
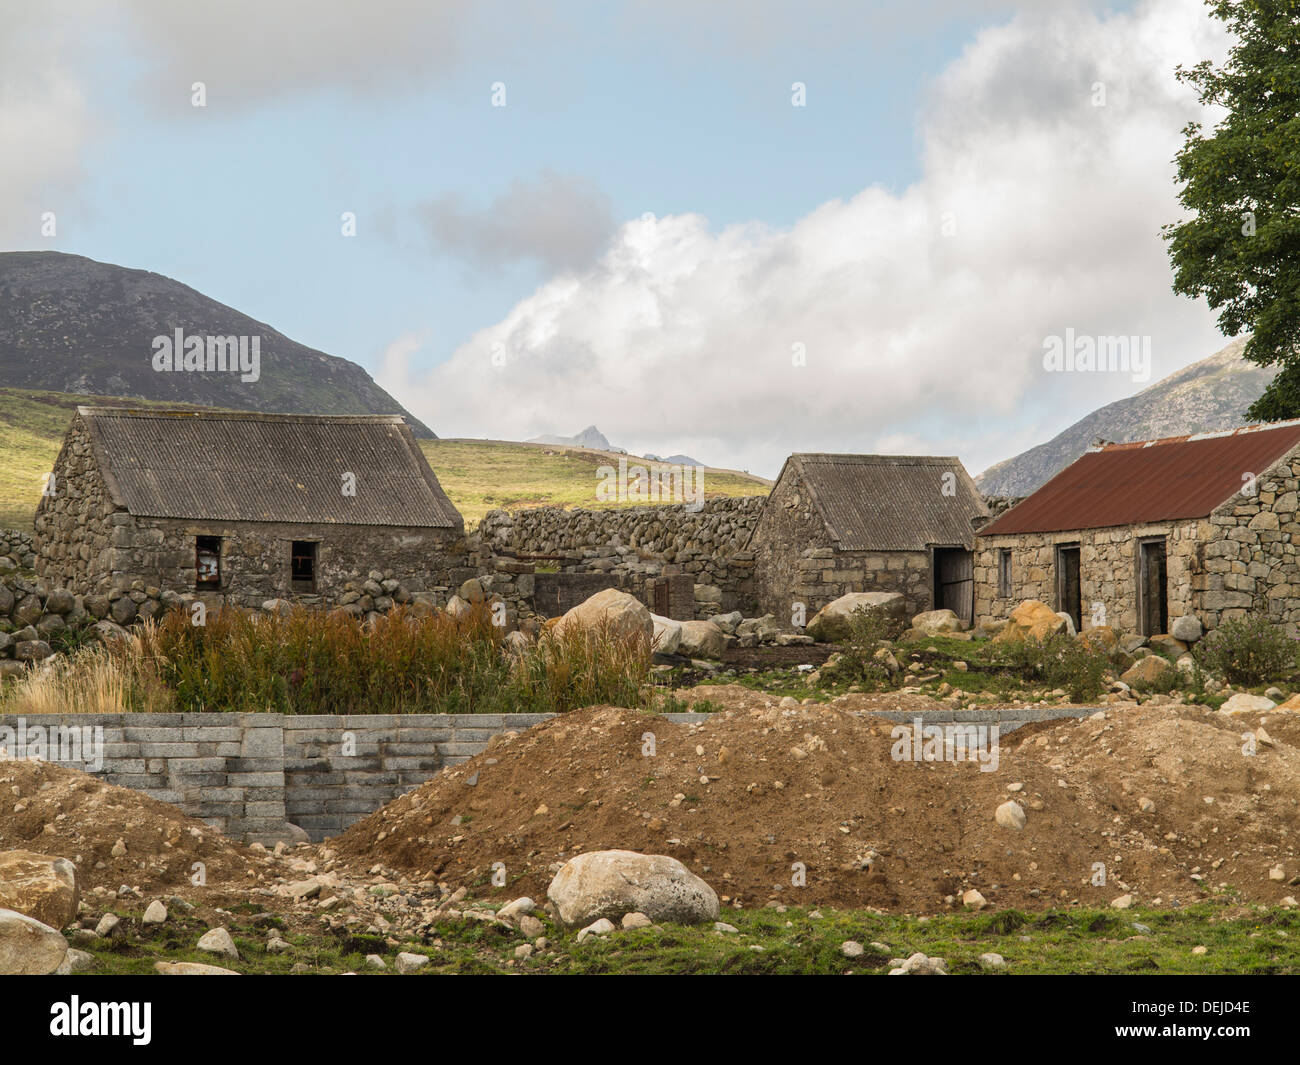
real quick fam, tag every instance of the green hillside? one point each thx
(477, 474)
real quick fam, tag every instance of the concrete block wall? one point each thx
(251, 775)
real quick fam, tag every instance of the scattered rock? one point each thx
(611, 883)
(218, 941)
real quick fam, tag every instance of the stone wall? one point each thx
(796, 562)
(1108, 571)
(16, 547)
(249, 775)
(634, 545)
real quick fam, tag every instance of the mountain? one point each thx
(71, 324)
(674, 460)
(1207, 395)
(590, 437)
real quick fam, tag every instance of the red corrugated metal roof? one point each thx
(1155, 480)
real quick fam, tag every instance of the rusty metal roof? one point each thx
(1170, 479)
(249, 466)
(891, 502)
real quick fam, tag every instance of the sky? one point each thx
(731, 229)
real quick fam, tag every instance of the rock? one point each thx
(612, 883)
(190, 968)
(1010, 815)
(1164, 644)
(29, 947)
(602, 927)
(973, 900)
(1187, 628)
(992, 961)
(282, 607)
(42, 888)
(1277, 873)
(1245, 703)
(937, 622)
(1100, 638)
(410, 963)
(1031, 620)
(458, 608)
(851, 948)
(531, 926)
(919, 965)
(1146, 670)
(524, 951)
(519, 908)
(108, 925)
(1291, 704)
(667, 636)
(119, 849)
(218, 941)
(1069, 623)
(833, 622)
(79, 961)
(374, 961)
(155, 913)
(725, 929)
(702, 639)
(1121, 903)
(635, 920)
(107, 631)
(728, 622)
(621, 614)
(472, 592)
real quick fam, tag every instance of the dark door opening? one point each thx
(1069, 597)
(207, 562)
(302, 566)
(954, 582)
(1153, 588)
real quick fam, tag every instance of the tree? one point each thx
(1241, 246)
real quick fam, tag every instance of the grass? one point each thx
(1239, 940)
(477, 475)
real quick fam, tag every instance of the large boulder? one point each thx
(28, 947)
(1146, 670)
(1031, 620)
(1100, 638)
(612, 883)
(833, 622)
(937, 622)
(668, 635)
(1245, 703)
(702, 639)
(625, 615)
(39, 887)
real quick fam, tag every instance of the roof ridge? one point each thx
(223, 414)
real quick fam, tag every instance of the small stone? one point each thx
(119, 849)
(530, 926)
(524, 951)
(851, 948)
(726, 929)
(374, 961)
(635, 920)
(155, 913)
(108, 925)
(1010, 815)
(992, 961)
(973, 900)
(1121, 903)
(602, 927)
(218, 941)
(1200, 950)
(1277, 873)
(409, 963)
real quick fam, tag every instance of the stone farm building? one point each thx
(862, 523)
(1138, 535)
(243, 507)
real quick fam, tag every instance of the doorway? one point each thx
(1069, 599)
(954, 582)
(1153, 587)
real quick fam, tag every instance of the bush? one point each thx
(1060, 661)
(868, 630)
(1247, 651)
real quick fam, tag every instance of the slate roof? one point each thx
(250, 466)
(1171, 479)
(890, 502)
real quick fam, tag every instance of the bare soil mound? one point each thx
(70, 814)
(744, 797)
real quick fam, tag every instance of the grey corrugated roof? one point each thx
(246, 466)
(891, 502)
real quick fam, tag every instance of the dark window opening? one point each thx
(207, 561)
(302, 564)
(1004, 572)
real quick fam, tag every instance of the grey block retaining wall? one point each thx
(249, 774)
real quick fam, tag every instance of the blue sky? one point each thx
(624, 109)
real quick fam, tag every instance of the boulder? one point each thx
(761, 630)
(623, 614)
(1100, 638)
(1069, 629)
(28, 947)
(833, 622)
(1031, 620)
(219, 941)
(458, 608)
(668, 635)
(190, 968)
(39, 887)
(728, 622)
(1188, 628)
(702, 639)
(611, 883)
(937, 622)
(1245, 703)
(1146, 670)
(1164, 644)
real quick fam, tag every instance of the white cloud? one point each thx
(912, 335)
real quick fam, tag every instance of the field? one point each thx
(478, 475)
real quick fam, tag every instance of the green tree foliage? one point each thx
(1240, 245)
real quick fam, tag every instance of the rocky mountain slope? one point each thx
(71, 324)
(1207, 395)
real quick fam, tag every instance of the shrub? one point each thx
(1059, 661)
(868, 631)
(1247, 651)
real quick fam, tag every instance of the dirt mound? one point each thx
(64, 812)
(744, 797)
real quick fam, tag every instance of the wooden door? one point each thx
(954, 582)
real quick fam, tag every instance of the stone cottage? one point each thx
(864, 523)
(243, 507)
(1138, 535)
